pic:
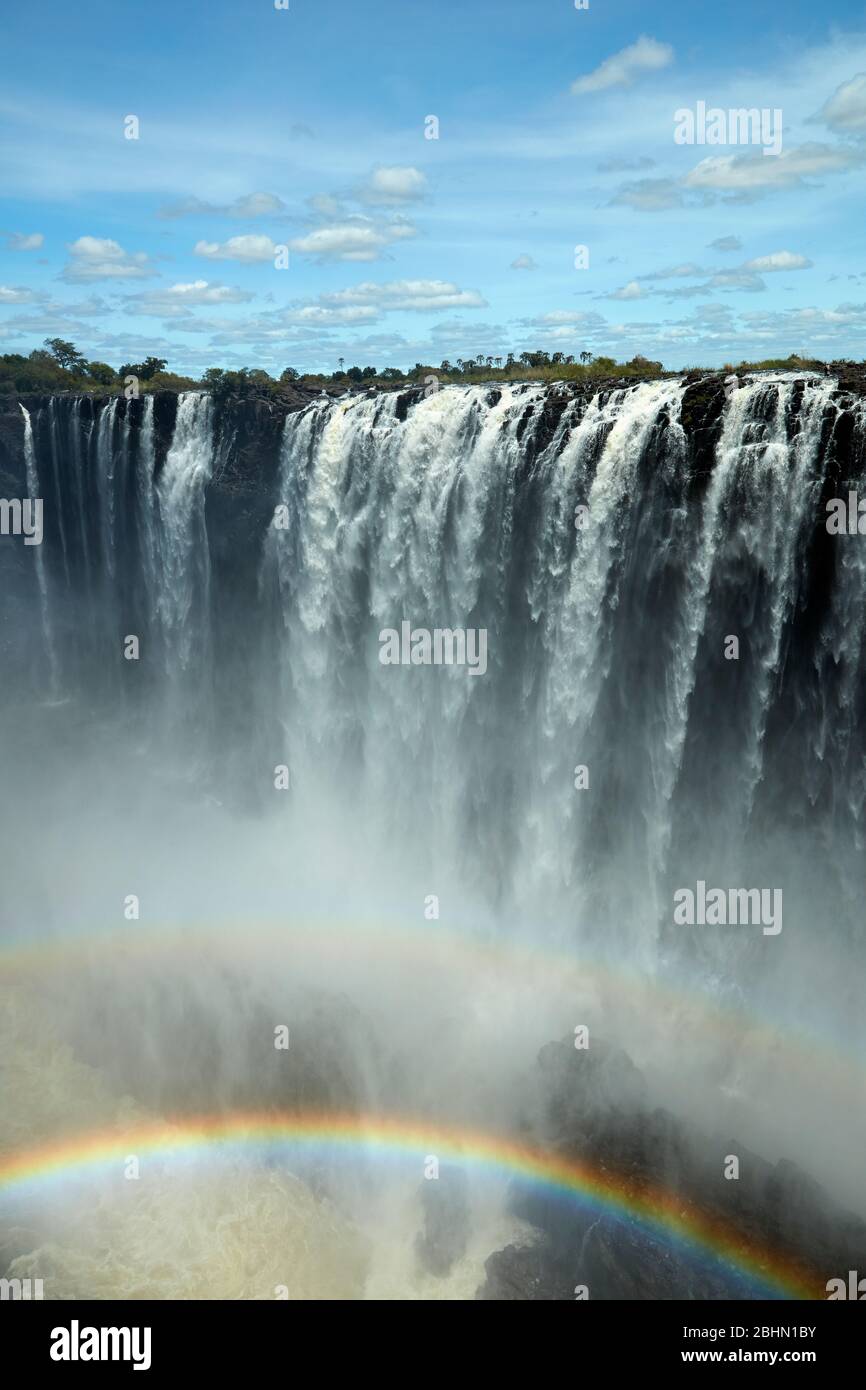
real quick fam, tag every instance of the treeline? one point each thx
(59, 366)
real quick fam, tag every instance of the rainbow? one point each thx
(661, 1214)
(436, 947)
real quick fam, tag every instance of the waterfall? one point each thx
(183, 575)
(106, 463)
(146, 505)
(537, 660)
(606, 576)
(33, 491)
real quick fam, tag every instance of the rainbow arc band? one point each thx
(661, 1214)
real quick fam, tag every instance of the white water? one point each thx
(605, 648)
(39, 561)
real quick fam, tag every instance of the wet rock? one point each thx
(445, 1234)
(592, 1107)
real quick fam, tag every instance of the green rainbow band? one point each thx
(21, 956)
(661, 1212)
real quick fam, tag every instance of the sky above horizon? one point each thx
(283, 205)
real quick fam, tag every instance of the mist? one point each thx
(223, 815)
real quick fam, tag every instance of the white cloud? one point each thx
(561, 317)
(649, 195)
(99, 258)
(676, 272)
(16, 295)
(621, 69)
(361, 304)
(408, 294)
(845, 110)
(726, 243)
(524, 262)
(391, 185)
(756, 173)
(356, 240)
(632, 290)
(742, 279)
(22, 241)
(779, 260)
(177, 301)
(250, 205)
(322, 315)
(326, 206)
(51, 317)
(247, 249)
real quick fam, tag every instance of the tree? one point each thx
(340, 361)
(586, 357)
(289, 375)
(150, 366)
(146, 369)
(391, 374)
(65, 354)
(101, 373)
(445, 366)
(643, 364)
(498, 361)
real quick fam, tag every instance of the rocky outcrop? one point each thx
(593, 1107)
(445, 1204)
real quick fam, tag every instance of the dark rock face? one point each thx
(526, 1273)
(701, 418)
(592, 1107)
(446, 1221)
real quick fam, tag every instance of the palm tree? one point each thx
(586, 357)
(498, 361)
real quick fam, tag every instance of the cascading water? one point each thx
(545, 809)
(184, 569)
(41, 579)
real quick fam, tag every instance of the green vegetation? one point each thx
(59, 366)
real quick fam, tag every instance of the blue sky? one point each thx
(305, 129)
